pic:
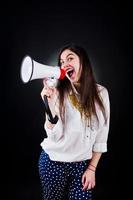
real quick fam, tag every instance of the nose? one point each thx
(64, 65)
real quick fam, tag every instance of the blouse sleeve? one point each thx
(100, 144)
(56, 132)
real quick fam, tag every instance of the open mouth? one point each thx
(70, 72)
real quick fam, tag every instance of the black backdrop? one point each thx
(40, 30)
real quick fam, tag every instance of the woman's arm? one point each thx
(88, 178)
(99, 146)
(94, 161)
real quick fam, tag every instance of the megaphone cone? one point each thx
(30, 70)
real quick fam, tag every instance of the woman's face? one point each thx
(71, 63)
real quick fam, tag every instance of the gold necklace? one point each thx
(75, 102)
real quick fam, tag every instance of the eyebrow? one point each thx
(70, 54)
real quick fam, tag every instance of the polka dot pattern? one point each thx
(57, 177)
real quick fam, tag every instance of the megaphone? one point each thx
(31, 70)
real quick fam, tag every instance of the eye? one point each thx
(70, 59)
(61, 63)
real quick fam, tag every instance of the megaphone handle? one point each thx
(52, 119)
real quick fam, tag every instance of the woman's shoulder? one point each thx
(102, 90)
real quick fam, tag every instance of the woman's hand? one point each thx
(88, 179)
(49, 91)
(52, 97)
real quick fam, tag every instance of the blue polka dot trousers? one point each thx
(59, 178)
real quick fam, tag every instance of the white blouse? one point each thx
(74, 141)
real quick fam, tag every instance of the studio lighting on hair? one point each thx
(31, 70)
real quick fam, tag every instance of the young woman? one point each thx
(74, 145)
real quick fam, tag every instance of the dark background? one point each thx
(40, 30)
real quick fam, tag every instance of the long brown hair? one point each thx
(88, 91)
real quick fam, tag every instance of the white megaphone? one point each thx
(31, 70)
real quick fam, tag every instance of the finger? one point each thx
(93, 185)
(89, 186)
(48, 90)
(44, 92)
(85, 185)
(83, 179)
(47, 82)
(44, 82)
